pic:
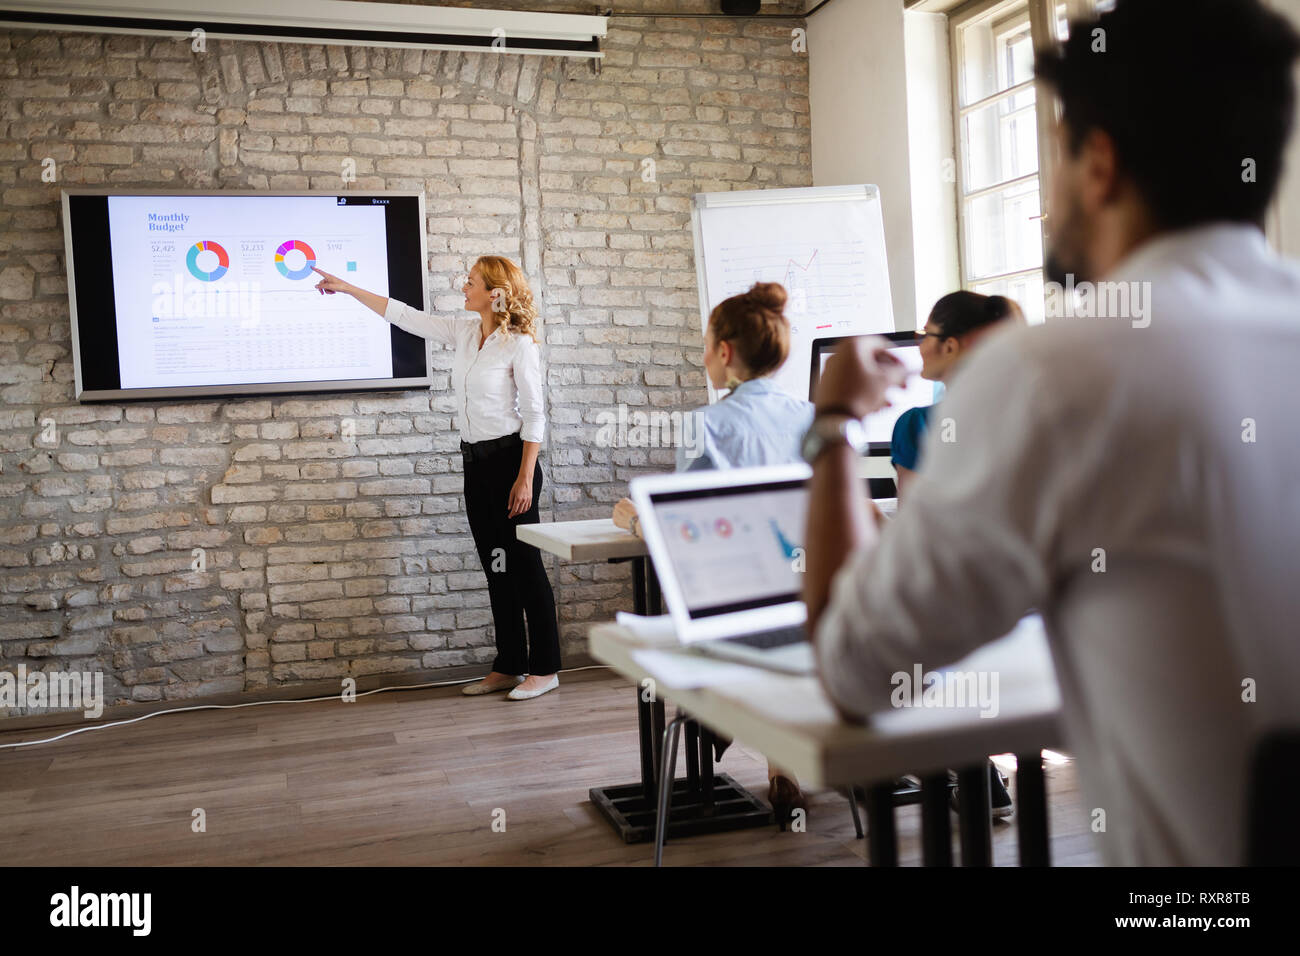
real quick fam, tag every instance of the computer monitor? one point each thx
(915, 392)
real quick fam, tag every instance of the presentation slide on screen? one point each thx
(214, 290)
(729, 549)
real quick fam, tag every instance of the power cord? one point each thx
(262, 703)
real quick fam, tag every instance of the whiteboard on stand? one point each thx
(825, 244)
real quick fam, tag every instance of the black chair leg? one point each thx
(853, 809)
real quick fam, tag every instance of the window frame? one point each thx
(1042, 17)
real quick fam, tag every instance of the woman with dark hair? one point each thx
(956, 323)
(498, 384)
(747, 339)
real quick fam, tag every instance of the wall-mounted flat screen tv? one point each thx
(186, 294)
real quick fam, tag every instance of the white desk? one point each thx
(792, 722)
(597, 539)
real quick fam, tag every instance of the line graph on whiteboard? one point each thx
(826, 282)
(826, 245)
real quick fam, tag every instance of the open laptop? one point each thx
(728, 548)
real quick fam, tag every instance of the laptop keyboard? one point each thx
(766, 639)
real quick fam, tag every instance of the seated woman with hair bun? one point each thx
(747, 339)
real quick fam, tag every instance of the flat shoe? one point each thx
(474, 690)
(550, 685)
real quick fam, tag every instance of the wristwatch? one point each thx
(633, 523)
(829, 430)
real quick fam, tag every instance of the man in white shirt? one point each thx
(1134, 477)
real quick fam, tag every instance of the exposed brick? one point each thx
(329, 557)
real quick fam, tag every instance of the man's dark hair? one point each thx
(1191, 91)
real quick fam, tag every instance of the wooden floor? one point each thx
(405, 778)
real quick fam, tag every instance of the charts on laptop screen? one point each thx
(185, 294)
(733, 549)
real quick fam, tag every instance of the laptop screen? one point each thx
(734, 548)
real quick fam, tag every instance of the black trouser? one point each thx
(517, 582)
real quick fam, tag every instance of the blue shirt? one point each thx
(909, 430)
(756, 424)
(905, 443)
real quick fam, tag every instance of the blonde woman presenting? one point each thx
(498, 384)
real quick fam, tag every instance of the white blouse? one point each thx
(498, 387)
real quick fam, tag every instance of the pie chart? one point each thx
(288, 246)
(192, 261)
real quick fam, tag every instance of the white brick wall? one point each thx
(327, 557)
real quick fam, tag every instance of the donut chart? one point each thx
(192, 261)
(288, 246)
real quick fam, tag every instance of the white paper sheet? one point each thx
(683, 671)
(657, 626)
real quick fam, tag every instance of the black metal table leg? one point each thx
(657, 722)
(706, 765)
(882, 837)
(654, 600)
(711, 803)
(1031, 812)
(692, 756)
(643, 726)
(645, 729)
(936, 834)
(973, 814)
(715, 804)
(639, 585)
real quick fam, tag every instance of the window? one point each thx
(999, 126)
